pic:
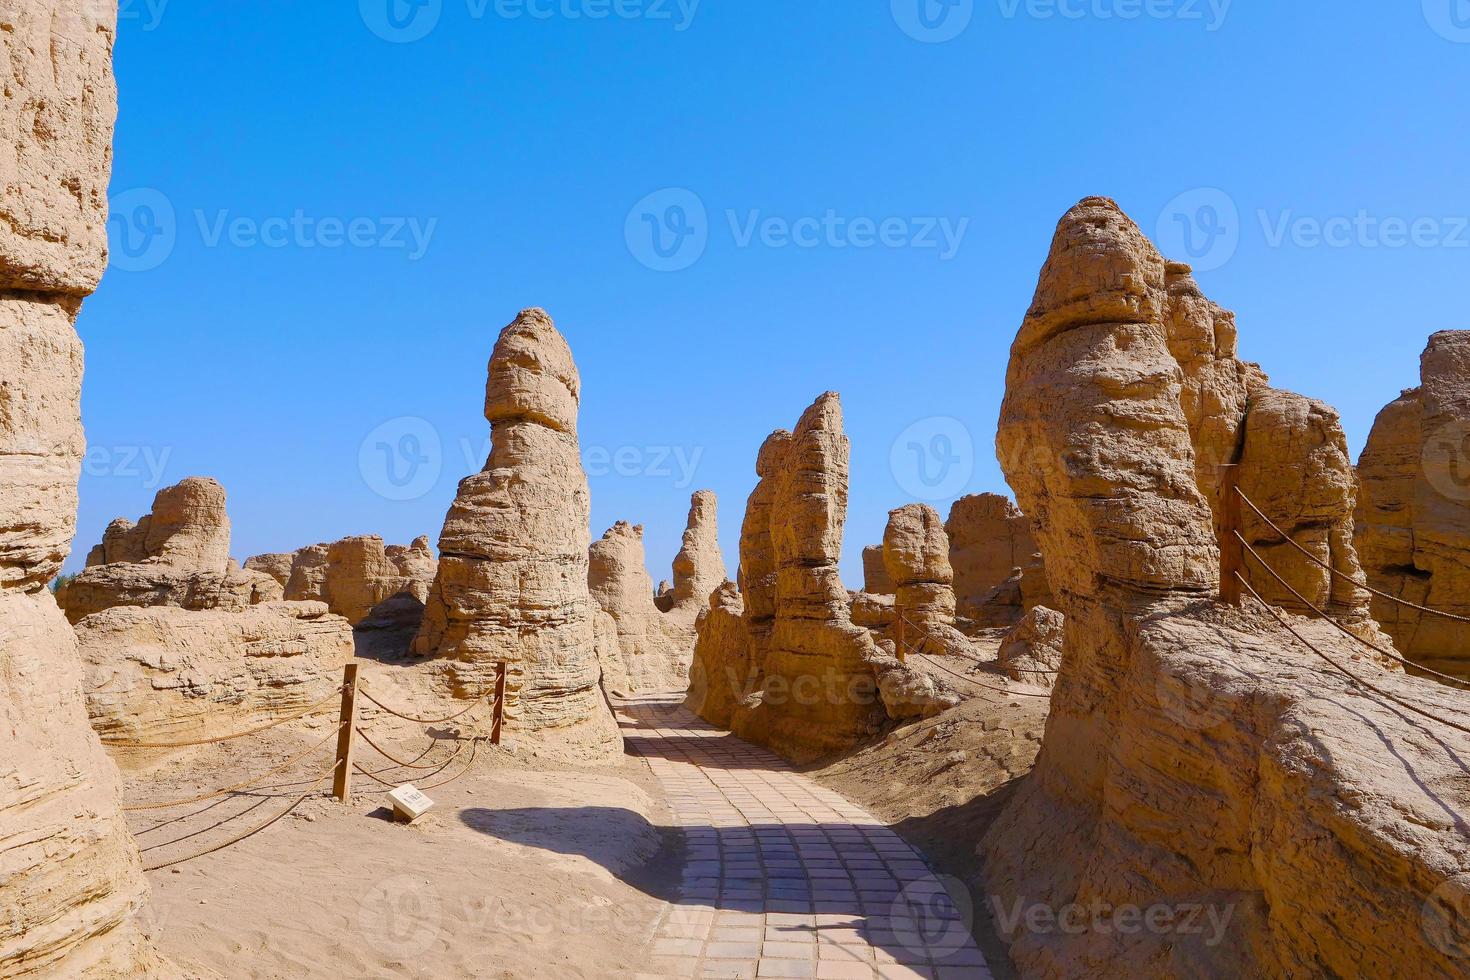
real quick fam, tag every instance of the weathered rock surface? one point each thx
(71, 884)
(916, 555)
(277, 565)
(875, 573)
(1413, 517)
(357, 577)
(512, 578)
(1197, 758)
(722, 673)
(176, 555)
(818, 690)
(699, 567)
(998, 570)
(1032, 651)
(652, 651)
(168, 674)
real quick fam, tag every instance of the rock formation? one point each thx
(722, 674)
(357, 577)
(652, 651)
(699, 567)
(167, 674)
(71, 884)
(1200, 764)
(824, 684)
(875, 573)
(998, 571)
(916, 556)
(1032, 651)
(512, 578)
(1413, 518)
(176, 555)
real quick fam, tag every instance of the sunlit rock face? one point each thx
(1414, 508)
(1197, 756)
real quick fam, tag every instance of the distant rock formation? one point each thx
(652, 651)
(1413, 517)
(512, 578)
(875, 573)
(71, 884)
(998, 570)
(699, 567)
(916, 557)
(176, 555)
(1197, 755)
(824, 682)
(722, 673)
(357, 577)
(167, 674)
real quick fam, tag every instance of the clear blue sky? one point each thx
(520, 139)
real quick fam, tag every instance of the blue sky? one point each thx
(326, 212)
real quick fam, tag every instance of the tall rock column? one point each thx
(1413, 519)
(512, 579)
(71, 882)
(819, 692)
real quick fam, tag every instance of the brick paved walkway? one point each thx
(784, 878)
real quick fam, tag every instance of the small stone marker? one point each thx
(409, 803)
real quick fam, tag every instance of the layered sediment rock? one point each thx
(167, 674)
(357, 577)
(875, 573)
(1413, 517)
(512, 579)
(653, 653)
(178, 554)
(916, 555)
(722, 674)
(1200, 765)
(824, 683)
(1032, 651)
(71, 884)
(998, 570)
(699, 567)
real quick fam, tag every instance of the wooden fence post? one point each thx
(1232, 556)
(342, 775)
(899, 639)
(499, 714)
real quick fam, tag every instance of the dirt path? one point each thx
(782, 877)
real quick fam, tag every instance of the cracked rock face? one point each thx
(1196, 755)
(71, 885)
(1414, 508)
(512, 579)
(176, 555)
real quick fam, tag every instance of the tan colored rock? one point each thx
(277, 565)
(916, 556)
(71, 884)
(998, 571)
(818, 692)
(357, 577)
(652, 652)
(1196, 756)
(169, 674)
(757, 572)
(1032, 651)
(176, 555)
(1413, 516)
(512, 578)
(875, 573)
(873, 612)
(722, 673)
(699, 568)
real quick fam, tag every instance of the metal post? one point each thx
(499, 715)
(1232, 556)
(342, 776)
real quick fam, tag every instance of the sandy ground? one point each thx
(526, 867)
(941, 782)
